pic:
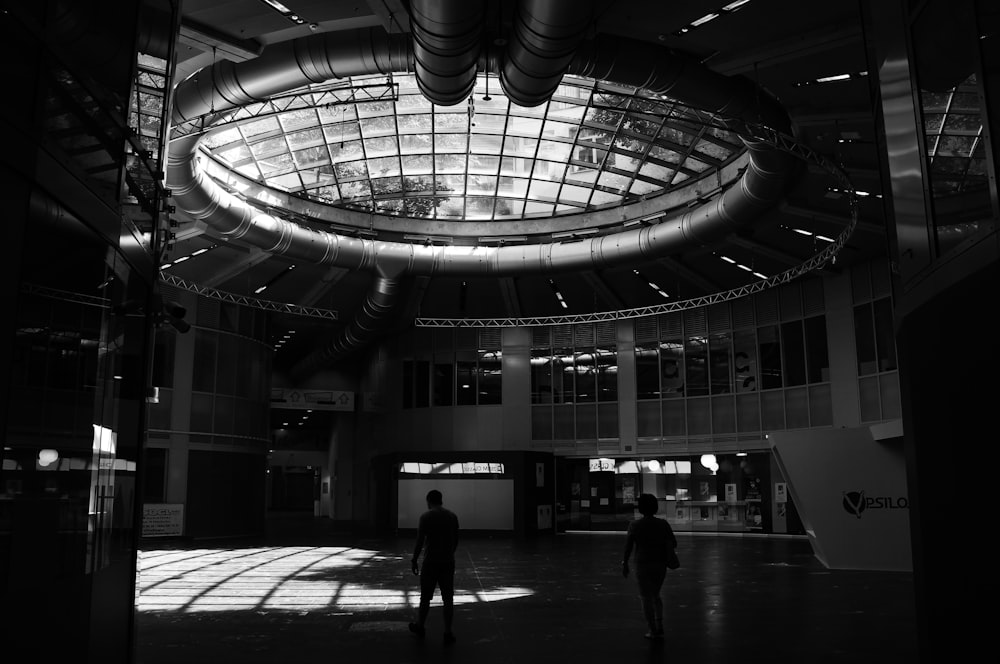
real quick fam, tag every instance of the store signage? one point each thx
(856, 502)
(312, 399)
(602, 465)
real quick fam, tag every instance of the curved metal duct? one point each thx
(447, 37)
(620, 60)
(545, 36)
(359, 52)
(289, 65)
(371, 318)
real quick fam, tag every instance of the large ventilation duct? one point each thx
(447, 38)
(288, 65)
(544, 38)
(371, 319)
(620, 60)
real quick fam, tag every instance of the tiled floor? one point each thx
(321, 596)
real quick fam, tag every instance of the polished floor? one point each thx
(307, 593)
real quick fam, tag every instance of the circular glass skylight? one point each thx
(593, 145)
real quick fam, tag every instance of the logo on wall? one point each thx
(856, 502)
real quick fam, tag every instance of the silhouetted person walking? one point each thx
(437, 536)
(653, 541)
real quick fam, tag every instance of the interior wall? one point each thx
(479, 504)
(851, 494)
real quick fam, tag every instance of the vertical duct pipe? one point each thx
(447, 37)
(544, 39)
(372, 318)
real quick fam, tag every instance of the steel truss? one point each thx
(327, 96)
(758, 133)
(269, 305)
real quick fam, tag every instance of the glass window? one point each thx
(466, 382)
(720, 354)
(864, 339)
(444, 384)
(647, 372)
(885, 340)
(793, 353)
(585, 375)
(770, 357)
(672, 368)
(696, 366)
(817, 355)
(408, 383)
(745, 361)
(421, 384)
(490, 377)
(607, 374)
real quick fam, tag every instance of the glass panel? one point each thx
(885, 341)
(586, 422)
(541, 423)
(585, 375)
(674, 417)
(747, 413)
(647, 373)
(723, 414)
(770, 357)
(793, 353)
(490, 377)
(563, 422)
(421, 384)
(672, 368)
(607, 374)
(696, 366)
(466, 383)
(796, 409)
(699, 417)
(720, 354)
(820, 406)
(864, 339)
(817, 355)
(647, 419)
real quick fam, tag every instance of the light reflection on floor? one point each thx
(287, 578)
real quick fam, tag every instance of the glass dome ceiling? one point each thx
(593, 145)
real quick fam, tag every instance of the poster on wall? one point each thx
(628, 491)
(780, 492)
(730, 493)
(162, 519)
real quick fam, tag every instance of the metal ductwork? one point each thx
(543, 41)
(372, 317)
(620, 60)
(288, 65)
(447, 38)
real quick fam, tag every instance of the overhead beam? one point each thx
(511, 300)
(840, 220)
(323, 286)
(208, 39)
(235, 267)
(392, 14)
(688, 275)
(765, 251)
(596, 281)
(777, 52)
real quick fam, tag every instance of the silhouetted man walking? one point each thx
(437, 537)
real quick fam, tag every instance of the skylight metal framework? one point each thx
(593, 145)
(779, 140)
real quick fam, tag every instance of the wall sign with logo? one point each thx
(780, 492)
